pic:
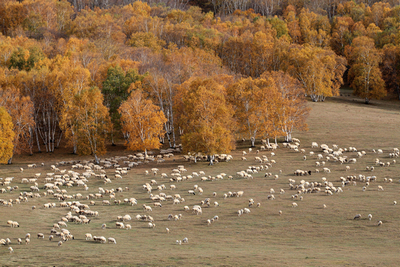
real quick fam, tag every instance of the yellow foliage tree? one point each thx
(364, 73)
(292, 110)
(90, 121)
(6, 136)
(319, 70)
(255, 103)
(206, 119)
(142, 122)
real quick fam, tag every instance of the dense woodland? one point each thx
(204, 73)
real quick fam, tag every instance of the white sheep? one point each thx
(112, 240)
(10, 249)
(120, 225)
(147, 208)
(369, 216)
(88, 236)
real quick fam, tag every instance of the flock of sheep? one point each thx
(70, 187)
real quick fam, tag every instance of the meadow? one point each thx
(307, 235)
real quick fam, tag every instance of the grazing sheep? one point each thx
(294, 205)
(60, 243)
(380, 188)
(10, 249)
(167, 230)
(395, 202)
(112, 240)
(88, 236)
(324, 206)
(179, 242)
(185, 240)
(151, 225)
(27, 241)
(379, 223)
(19, 241)
(51, 237)
(364, 188)
(147, 208)
(358, 216)
(40, 235)
(103, 226)
(369, 216)
(120, 225)
(280, 213)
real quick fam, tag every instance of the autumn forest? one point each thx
(202, 73)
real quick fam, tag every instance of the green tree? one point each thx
(116, 89)
(25, 59)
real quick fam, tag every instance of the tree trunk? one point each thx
(289, 137)
(96, 159)
(253, 140)
(59, 140)
(366, 100)
(112, 138)
(9, 161)
(30, 141)
(37, 140)
(211, 159)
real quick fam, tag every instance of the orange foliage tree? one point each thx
(6, 136)
(142, 122)
(206, 118)
(21, 111)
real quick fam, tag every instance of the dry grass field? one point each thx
(308, 235)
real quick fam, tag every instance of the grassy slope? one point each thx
(304, 236)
